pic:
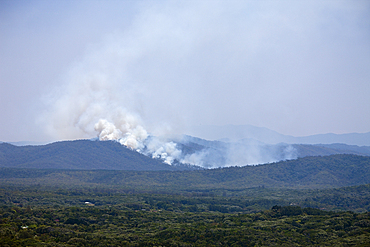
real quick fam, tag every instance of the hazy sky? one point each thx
(296, 67)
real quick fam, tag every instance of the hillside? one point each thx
(110, 155)
(80, 154)
(309, 172)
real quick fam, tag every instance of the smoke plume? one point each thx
(128, 133)
(97, 100)
(137, 82)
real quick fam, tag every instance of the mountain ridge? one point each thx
(88, 154)
(304, 173)
(268, 136)
(78, 154)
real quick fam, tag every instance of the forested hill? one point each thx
(80, 154)
(309, 172)
(110, 155)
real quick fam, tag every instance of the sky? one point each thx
(296, 67)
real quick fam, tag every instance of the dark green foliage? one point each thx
(275, 204)
(355, 198)
(98, 216)
(119, 225)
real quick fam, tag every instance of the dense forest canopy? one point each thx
(310, 201)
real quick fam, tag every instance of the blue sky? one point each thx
(296, 67)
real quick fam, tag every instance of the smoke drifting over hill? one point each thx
(97, 100)
(114, 94)
(135, 137)
(296, 67)
(175, 64)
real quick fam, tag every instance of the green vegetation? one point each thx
(356, 198)
(101, 217)
(293, 203)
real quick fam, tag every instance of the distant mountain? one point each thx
(237, 132)
(28, 143)
(80, 154)
(359, 139)
(304, 150)
(354, 149)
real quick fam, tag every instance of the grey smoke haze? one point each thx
(296, 67)
(240, 153)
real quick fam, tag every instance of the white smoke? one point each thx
(142, 74)
(132, 136)
(167, 151)
(135, 137)
(98, 99)
(195, 159)
(241, 154)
